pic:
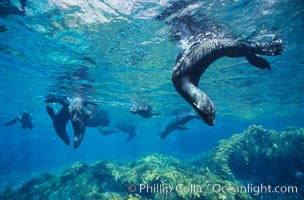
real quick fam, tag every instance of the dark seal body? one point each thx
(72, 109)
(178, 122)
(142, 109)
(25, 120)
(192, 63)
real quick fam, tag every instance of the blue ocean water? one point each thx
(124, 51)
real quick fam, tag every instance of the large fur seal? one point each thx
(25, 120)
(192, 63)
(72, 109)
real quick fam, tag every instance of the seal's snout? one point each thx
(210, 120)
(210, 123)
(76, 144)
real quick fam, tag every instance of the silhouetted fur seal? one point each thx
(98, 118)
(192, 63)
(124, 128)
(142, 109)
(178, 122)
(25, 120)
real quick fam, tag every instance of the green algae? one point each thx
(261, 154)
(253, 157)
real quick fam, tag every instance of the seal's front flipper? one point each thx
(11, 122)
(51, 112)
(258, 61)
(59, 124)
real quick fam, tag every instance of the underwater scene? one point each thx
(152, 99)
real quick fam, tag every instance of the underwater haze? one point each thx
(117, 52)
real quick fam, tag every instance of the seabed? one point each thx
(256, 164)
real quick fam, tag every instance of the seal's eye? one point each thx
(208, 109)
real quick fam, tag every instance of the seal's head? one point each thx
(204, 107)
(134, 109)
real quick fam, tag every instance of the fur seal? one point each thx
(178, 122)
(98, 118)
(25, 120)
(124, 128)
(192, 63)
(74, 110)
(142, 109)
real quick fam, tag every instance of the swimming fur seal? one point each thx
(192, 63)
(142, 109)
(25, 120)
(124, 128)
(178, 122)
(74, 110)
(98, 118)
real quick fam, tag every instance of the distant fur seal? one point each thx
(125, 128)
(98, 118)
(178, 122)
(25, 120)
(192, 63)
(72, 109)
(142, 109)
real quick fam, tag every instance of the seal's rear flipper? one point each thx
(11, 122)
(51, 112)
(258, 61)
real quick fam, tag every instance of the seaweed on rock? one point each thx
(263, 156)
(183, 181)
(105, 180)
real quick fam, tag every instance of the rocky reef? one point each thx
(260, 156)
(241, 168)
